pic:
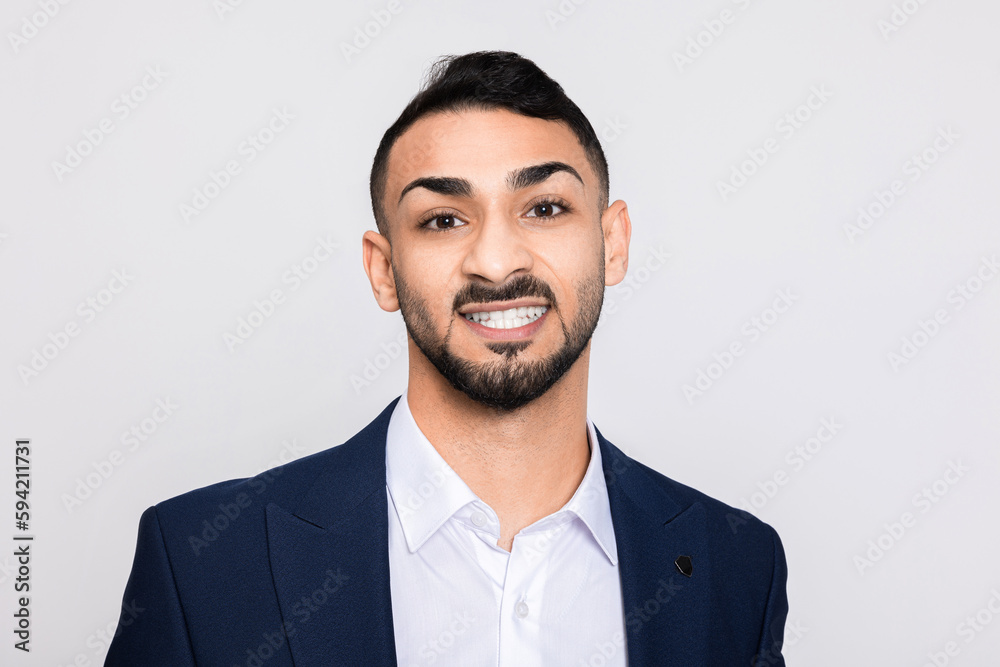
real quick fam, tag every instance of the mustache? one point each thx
(524, 285)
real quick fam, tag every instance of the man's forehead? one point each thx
(480, 145)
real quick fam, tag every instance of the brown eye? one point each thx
(443, 222)
(545, 209)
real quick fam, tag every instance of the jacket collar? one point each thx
(341, 525)
(426, 492)
(666, 612)
(330, 563)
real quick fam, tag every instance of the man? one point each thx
(481, 518)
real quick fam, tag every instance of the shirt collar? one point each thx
(426, 491)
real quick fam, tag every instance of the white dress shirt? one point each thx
(459, 599)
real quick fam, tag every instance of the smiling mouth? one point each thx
(512, 318)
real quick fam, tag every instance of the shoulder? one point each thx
(742, 555)
(362, 457)
(229, 517)
(281, 484)
(729, 529)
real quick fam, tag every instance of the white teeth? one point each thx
(511, 318)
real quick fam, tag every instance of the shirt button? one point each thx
(521, 609)
(479, 518)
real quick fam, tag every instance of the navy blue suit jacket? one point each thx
(291, 567)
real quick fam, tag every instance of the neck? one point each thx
(525, 464)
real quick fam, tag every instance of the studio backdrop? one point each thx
(808, 330)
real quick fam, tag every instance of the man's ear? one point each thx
(376, 255)
(617, 230)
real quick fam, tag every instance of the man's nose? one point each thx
(498, 250)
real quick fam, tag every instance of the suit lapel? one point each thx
(666, 612)
(329, 558)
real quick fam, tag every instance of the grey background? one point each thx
(671, 132)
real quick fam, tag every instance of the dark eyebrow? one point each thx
(528, 176)
(443, 185)
(516, 180)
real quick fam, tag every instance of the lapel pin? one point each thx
(683, 564)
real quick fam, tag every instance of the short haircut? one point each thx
(488, 80)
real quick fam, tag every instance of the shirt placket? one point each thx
(520, 608)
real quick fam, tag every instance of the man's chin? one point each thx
(506, 355)
(503, 403)
(499, 384)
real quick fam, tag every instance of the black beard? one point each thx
(510, 382)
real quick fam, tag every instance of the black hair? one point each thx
(487, 80)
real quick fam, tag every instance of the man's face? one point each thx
(497, 250)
